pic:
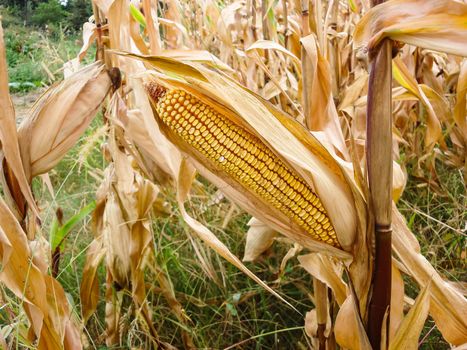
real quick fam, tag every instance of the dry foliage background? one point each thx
(149, 269)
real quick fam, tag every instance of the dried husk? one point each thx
(328, 271)
(59, 118)
(258, 239)
(43, 298)
(405, 79)
(432, 24)
(122, 227)
(408, 333)
(460, 111)
(296, 146)
(282, 132)
(319, 109)
(13, 174)
(161, 158)
(349, 330)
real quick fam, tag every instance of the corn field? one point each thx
(302, 114)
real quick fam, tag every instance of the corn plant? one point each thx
(272, 103)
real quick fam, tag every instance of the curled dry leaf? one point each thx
(89, 35)
(311, 325)
(10, 156)
(60, 117)
(408, 333)
(292, 252)
(319, 108)
(349, 330)
(397, 301)
(460, 111)
(272, 45)
(433, 24)
(43, 298)
(258, 239)
(327, 271)
(89, 289)
(142, 130)
(123, 232)
(405, 79)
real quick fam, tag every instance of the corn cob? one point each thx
(245, 158)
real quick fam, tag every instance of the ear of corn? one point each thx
(245, 158)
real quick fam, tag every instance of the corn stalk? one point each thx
(379, 164)
(379, 160)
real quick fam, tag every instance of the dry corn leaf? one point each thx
(9, 138)
(127, 211)
(119, 32)
(354, 91)
(321, 113)
(142, 130)
(397, 301)
(406, 336)
(292, 252)
(60, 117)
(311, 326)
(273, 46)
(200, 56)
(89, 289)
(460, 111)
(439, 103)
(117, 240)
(165, 63)
(348, 329)
(258, 239)
(403, 77)
(136, 35)
(152, 26)
(43, 298)
(433, 24)
(89, 35)
(448, 307)
(327, 271)
(399, 180)
(123, 235)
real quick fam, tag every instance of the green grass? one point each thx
(35, 58)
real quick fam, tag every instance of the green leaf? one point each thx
(137, 15)
(58, 234)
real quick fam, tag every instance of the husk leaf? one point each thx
(432, 24)
(59, 118)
